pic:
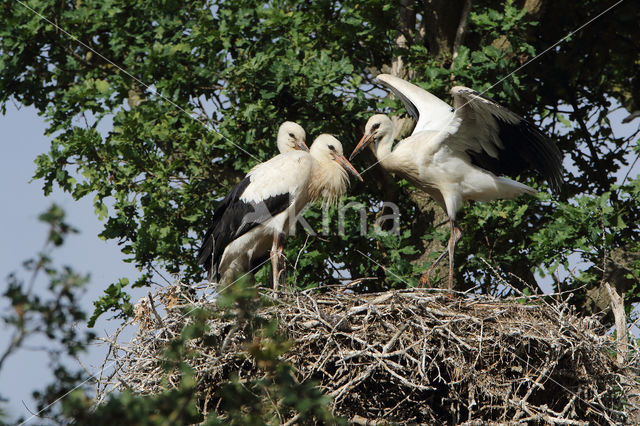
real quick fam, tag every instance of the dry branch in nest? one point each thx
(407, 356)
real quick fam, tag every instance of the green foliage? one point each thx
(278, 391)
(156, 109)
(174, 406)
(400, 272)
(200, 88)
(115, 299)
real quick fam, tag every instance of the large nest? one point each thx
(406, 356)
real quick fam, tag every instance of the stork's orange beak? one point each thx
(302, 146)
(342, 160)
(362, 144)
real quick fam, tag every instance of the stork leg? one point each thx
(452, 246)
(274, 262)
(277, 261)
(424, 279)
(281, 259)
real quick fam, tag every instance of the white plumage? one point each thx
(284, 173)
(457, 154)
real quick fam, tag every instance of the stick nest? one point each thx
(408, 356)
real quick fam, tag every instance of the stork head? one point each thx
(326, 149)
(291, 136)
(378, 126)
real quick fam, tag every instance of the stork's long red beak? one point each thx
(302, 146)
(362, 144)
(342, 160)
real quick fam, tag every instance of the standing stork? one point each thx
(458, 154)
(259, 210)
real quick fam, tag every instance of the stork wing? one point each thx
(283, 174)
(430, 112)
(501, 141)
(273, 186)
(216, 236)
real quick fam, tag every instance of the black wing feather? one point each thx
(408, 105)
(524, 147)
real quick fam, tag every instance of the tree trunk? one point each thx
(442, 19)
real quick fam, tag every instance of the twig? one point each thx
(153, 309)
(617, 307)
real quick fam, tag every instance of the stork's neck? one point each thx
(400, 159)
(383, 149)
(328, 181)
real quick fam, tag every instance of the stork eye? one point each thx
(291, 134)
(375, 126)
(332, 148)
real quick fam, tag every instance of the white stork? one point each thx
(457, 154)
(260, 209)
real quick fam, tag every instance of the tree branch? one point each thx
(462, 28)
(602, 180)
(617, 306)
